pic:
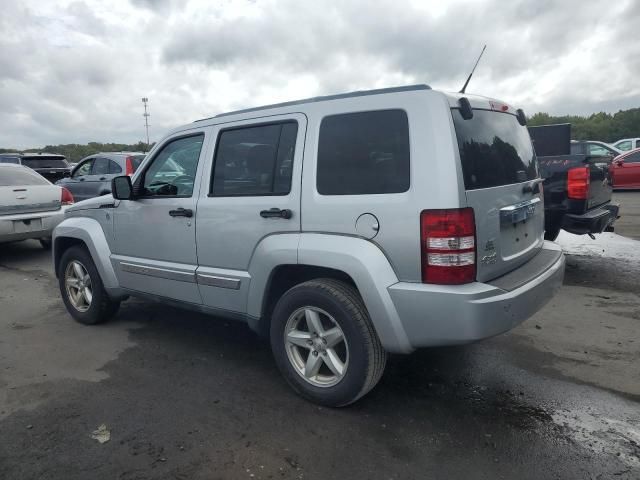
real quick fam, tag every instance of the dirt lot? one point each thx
(189, 397)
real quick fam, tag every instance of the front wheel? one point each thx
(82, 290)
(324, 343)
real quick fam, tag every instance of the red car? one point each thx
(625, 170)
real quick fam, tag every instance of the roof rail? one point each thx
(360, 93)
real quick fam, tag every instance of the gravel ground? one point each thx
(186, 396)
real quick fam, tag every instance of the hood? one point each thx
(91, 203)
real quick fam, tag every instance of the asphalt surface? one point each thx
(186, 396)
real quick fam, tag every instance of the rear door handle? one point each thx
(181, 212)
(276, 213)
(102, 178)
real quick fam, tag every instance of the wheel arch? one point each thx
(88, 233)
(350, 259)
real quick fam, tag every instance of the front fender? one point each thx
(89, 232)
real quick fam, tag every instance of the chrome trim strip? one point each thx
(216, 281)
(519, 212)
(526, 203)
(30, 208)
(158, 272)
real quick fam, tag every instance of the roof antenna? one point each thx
(474, 69)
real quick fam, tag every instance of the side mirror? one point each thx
(121, 188)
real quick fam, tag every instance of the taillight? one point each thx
(66, 198)
(128, 166)
(448, 244)
(578, 183)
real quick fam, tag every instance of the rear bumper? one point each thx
(434, 315)
(594, 221)
(29, 225)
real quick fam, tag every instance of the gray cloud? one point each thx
(75, 72)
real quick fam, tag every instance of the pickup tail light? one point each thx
(578, 183)
(66, 197)
(128, 165)
(448, 246)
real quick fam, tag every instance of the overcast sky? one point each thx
(75, 71)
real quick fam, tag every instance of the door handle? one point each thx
(276, 213)
(102, 178)
(81, 179)
(181, 212)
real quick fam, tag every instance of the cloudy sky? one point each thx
(75, 71)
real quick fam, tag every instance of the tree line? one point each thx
(605, 127)
(601, 126)
(75, 152)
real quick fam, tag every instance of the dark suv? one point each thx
(91, 177)
(51, 166)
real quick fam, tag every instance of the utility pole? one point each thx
(146, 116)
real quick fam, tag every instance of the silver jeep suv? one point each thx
(344, 227)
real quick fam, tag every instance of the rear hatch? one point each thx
(52, 167)
(23, 191)
(500, 174)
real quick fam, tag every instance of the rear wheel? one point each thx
(82, 290)
(324, 343)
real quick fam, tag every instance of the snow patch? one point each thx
(606, 245)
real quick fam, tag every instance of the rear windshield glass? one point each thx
(15, 160)
(494, 149)
(136, 160)
(17, 176)
(45, 162)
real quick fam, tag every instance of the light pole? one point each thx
(146, 116)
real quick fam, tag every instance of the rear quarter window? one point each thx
(364, 153)
(494, 149)
(16, 176)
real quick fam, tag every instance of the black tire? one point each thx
(367, 357)
(46, 243)
(552, 234)
(101, 307)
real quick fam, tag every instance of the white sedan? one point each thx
(30, 205)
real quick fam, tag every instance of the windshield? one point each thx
(45, 162)
(494, 149)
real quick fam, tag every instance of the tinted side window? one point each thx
(114, 167)
(633, 158)
(100, 166)
(364, 153)
(255, 160)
